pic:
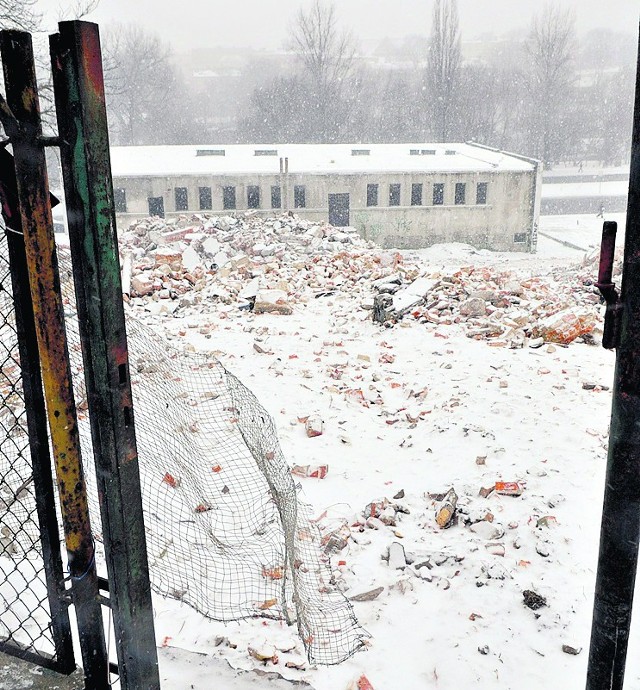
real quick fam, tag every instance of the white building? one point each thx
(400, 195)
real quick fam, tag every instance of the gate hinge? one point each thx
(613, 314)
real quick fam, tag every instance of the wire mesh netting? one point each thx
(226, 530)
(25, 619)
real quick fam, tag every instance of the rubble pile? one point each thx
(271, 265)
(263, 265)
(496, 305)
(484, 519)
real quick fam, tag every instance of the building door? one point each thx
(156, 206)
(339, 210)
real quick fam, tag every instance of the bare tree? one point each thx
(274, 113)
(443, 67)
(145, 98)
(19, 14)
(550, 46)
(327, 55)
(78, 9)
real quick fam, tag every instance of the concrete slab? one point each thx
(16, 674)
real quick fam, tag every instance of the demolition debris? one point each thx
(224, 264)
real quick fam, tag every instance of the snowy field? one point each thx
(455, 412)
(580, 189)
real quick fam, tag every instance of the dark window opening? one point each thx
(520, 238)
(299, 196)
(416, 194)
(360, 152)
(253, 196)
(120, 200)
(156, 206)
(228, 198)
(438, 194)
(481, 193)
(394, 195)
(276, 197)
(265, 152)
(460, 195)
(206, 203)
(449, 152)
(182, 199)
(210, 152)
(372, 195)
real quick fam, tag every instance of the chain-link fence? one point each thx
(27, 628)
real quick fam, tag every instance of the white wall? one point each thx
(512, 208)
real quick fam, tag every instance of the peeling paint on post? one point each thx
(35, 211)
(82, 124)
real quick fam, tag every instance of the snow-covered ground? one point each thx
(455, 412)
(587, 188)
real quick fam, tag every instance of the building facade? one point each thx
(399, 195)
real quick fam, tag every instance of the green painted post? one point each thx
(84, 146)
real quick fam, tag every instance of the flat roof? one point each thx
(321, 159)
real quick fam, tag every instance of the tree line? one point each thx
(550, 98)
(545, 94)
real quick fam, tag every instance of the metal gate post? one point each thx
(84, 145)
(620, 531)
(21, 120)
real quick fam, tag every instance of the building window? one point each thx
(422, 152)
(299, 196)
(210, 152)
(372, 195)
(120, 200)
(520, 238)
(228, 198)
(481, 193)
(394, 195)
(253, 196)
(182, 199)
(461, 189)
(438, 193)
(156, 206)
(205, 198)
(360, 152)
(416, 194)
(265, 152)
(276, 197)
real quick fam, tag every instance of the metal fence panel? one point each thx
(34, 622)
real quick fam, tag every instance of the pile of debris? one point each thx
(270, 265)
(496, 305)
(263, 265)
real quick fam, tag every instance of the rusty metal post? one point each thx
(84, 146)
(21, 120)
(620, 530)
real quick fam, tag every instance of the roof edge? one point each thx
(519, 156)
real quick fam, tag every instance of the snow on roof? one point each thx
(151, 161)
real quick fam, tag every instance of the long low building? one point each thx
(399, 195)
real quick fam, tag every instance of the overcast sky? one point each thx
(263, 23)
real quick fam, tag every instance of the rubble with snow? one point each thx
(453, 447)
(269, 266)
